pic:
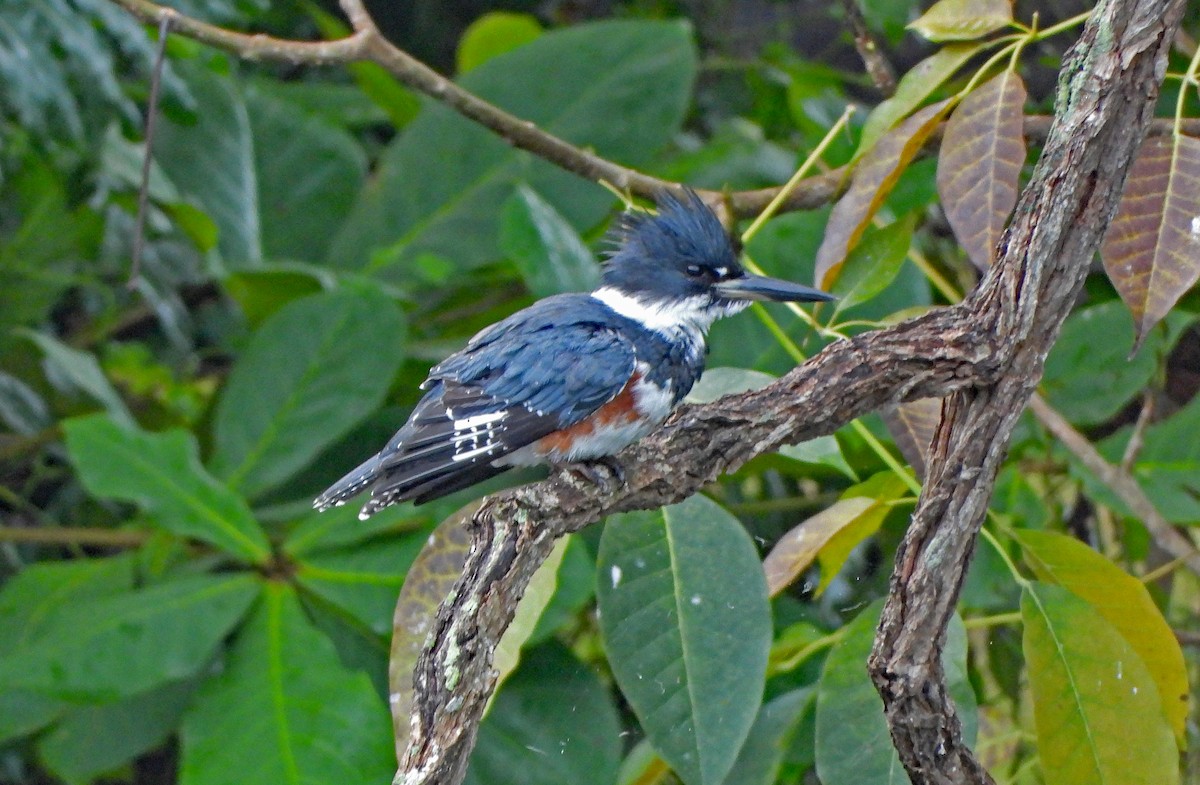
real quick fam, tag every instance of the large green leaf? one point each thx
(313, 370)
(1098, 714)
(619, 88)
(762, 755)
(162, 473)
(552, 723)
(308, 175)
(687, 627)
(547, 250)
(96, 739)
(364, 580)
(853, 744)
(120, 645)
(29, 601)
(285, 710)
(211, 161)
(1124, 601)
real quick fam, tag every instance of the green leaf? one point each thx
(161, 472)
(312, 372)
(853, 744)
(685, 620)
(547, 250)
(260, 293)
(1121, 599)
(1098, 714)
(117, 646)
(576, 588)
(363, 580)
(285, 710)
(211, 161)
(439, 183)
(959, 20)
(762, 755)
(552, 723)
(22, 410)
(79, 369)
(308, 174)
(96, 739)
(494, 33)
(873, 264)
(1089, 381)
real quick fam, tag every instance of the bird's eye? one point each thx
(694, 270)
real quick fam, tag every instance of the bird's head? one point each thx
(679, 268)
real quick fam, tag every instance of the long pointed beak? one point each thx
(759, 287)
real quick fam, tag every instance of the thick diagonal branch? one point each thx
(1106, 99)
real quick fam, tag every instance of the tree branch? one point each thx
(1106, 100)
(883, 76)
(1115, 477)
(367, 43)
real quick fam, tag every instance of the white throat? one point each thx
(692, 315)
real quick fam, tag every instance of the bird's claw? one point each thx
(604, 473)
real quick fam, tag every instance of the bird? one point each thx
(573, 377)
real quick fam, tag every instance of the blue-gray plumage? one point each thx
(574, 376)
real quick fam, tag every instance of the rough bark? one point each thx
(1106, 98)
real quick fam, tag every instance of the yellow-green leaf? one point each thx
(1097, 712)
(494, 34)
(914, 87)
(1124, 602)
(1152, 249)
(963, 20)
(980, 163)
(872, 181)
(830, 535)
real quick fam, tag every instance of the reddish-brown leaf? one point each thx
(798, 549)
(872, 181)
(963, 20)
(980, 162)
(1152, 249)
(912, 426)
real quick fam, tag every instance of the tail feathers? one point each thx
(349, 486)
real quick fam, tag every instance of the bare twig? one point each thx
(1164, 534)
(882, 74)
(139, 224)
(1137, 438)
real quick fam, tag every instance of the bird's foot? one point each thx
(604, 473)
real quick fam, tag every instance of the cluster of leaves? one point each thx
(303, 270)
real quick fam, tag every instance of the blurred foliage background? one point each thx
(171, 609)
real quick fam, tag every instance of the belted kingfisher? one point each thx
(573, 377)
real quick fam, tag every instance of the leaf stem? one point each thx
(996, 620)
(1020, 579)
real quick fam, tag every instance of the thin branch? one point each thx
(74, 535)
(139, 223)
(368, 44)
(882, 74)
(1125, 487)
(1137, 438)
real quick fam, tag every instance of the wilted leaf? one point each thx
(963, 20)
(429, 579)
(1152, 249)
(1098, 713)
(912, 426)
(494, 33)
(687, 628)
(546, 249)
(831, 534)
(980, 162)
(284, 710)
(872, 181)
(915, 86)
(1124, 601)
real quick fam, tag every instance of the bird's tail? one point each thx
(349, 486)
